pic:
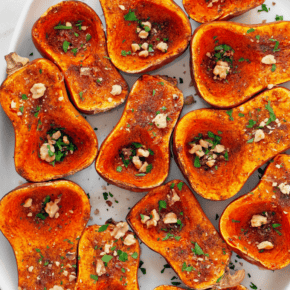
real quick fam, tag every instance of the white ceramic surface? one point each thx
(90, 181)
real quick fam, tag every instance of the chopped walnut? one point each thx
(285, 188)
(143, 167)
(155, 215)
(28, 202)
(13, 105)
(135, 47)
(148, 24)
(145, 219)
(162, 46)
(142, 153)
(65, 140)
(44, 152)
(219, 148)
(100, 269)
(221, 69)
(259, 135)
(204, 143)
(145, 46)
(120, 230)
(151, 223)
(137, 162)
(174, 198)
(143, 34)
(195, 148)
(55, 287)
(129, 240)
(52, 208)
(38, 90)
(116, 90)
(210, 163)
(56, 135)
(122, 7)
(258, 220)
(265, 246)
(170, 218)
(144, 53)
(269, 59)
(160, 121)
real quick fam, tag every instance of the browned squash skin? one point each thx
(112, 279)
(196, 229)
(265, 197)
(31, 129)
(136, 125)
(164, 287)
(88, 95)
(199, 11)
(177, 28)
(246, 78)
(47, 241)
(244, 158)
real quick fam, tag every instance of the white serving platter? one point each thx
(89, 180)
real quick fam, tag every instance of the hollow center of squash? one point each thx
(208, 151)
(137, 157)
(57, 146)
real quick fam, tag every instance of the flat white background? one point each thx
(10, 13)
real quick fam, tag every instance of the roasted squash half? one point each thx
(170, 221)
(164, 287)
(205, 11)
(71, 35)
(145, 35)
(35, 100)
(217, 150)
(231, 62)
(108, 258)
(43, 223)
(143, 132)
(257, 225)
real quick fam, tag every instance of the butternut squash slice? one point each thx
(71, 35)
(205, 11)
(239, 141)
(43, 223)
(143, 132)
(257, 225)
(35, 100)
(170, 221)
(107, 262)
(164, 287)
(145, 35)
(231, 62)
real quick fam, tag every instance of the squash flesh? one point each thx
(89, 95)
(264, 198)
(115, 278)
(122, 33)
(196, 229)
(244, 158)
(136, 125)
(246, 78)
(39, 116)
(199, 11)
(38, 243)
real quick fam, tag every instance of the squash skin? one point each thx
(197, 228)
(165, 287)
(253, 77)
(28, 131)
(264, 197)
(231, 176)
(198, 10)
(96, 96)
(171, 12)
(88, 256)
(25, 235)
(141, 99)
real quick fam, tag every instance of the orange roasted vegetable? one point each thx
(106, 244)
(135, 155)
(170, 221)
(231, 62)
(164, 287)
(35, 100)
(239, 141)
(71, 35)
(257, 225)
(43, 223)
(205, 11)
(145, 35)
